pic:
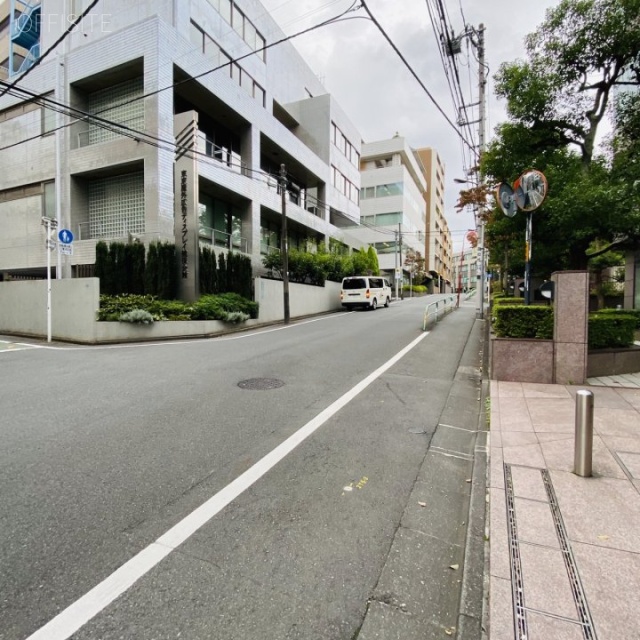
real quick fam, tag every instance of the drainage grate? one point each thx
(584, 614)
(517, 585)
(260, 384)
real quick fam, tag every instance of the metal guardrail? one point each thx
(434, 310)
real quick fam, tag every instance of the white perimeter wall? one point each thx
(75, 303)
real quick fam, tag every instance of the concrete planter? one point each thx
(613, 362)
(521, 360)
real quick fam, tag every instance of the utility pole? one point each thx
(482, 83)
(400, 254)
(284, 248)
(395, 272)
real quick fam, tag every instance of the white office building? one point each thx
(392, 202)
(193, 71)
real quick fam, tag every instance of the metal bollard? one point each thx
(584, 434)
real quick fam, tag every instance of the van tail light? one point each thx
(368, 294)
(342, 295)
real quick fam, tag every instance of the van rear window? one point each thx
(354, 283)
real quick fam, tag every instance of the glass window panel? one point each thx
(225, 10)
(384, 219)
(236, 72)
(197, 37)
(250, 34)
(260, 44)
(238, 21)
(246, 82)
(49, 200)
(48, 118)
(258, 93)
(212, 50)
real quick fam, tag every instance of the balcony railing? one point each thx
(230, 241)
(97, 134)
(230, 160)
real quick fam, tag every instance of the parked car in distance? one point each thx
(368, 292)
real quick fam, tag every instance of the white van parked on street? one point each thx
(368, 292)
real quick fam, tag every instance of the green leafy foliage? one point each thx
(622, 312)
(611, 330)
(518, 321)
(137, 316)
(208, 307)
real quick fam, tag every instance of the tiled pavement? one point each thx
(564, 550)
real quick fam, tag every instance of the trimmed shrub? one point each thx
(608, 330)
(625, 312)
(137, 316)
(518, 321)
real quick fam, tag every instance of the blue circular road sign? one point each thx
(65, 236)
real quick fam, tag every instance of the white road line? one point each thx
(67, 622)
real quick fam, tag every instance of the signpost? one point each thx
(528, 193)
(65, 238)
(49, 244)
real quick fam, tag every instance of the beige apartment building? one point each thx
(438, 247)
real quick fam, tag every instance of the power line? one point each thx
(69, 29)
(411, 70)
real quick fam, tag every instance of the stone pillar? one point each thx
(570, 326)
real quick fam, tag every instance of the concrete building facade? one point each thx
(392, 205)
(438, 250)
(155, 73)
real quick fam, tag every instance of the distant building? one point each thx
(165, 70)
(465, 270)
(438, 250)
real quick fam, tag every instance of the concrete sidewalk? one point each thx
(564, 550)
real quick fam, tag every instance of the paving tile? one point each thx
(616, 422)
(614, 443)
(535, 523)
(499, 563)
(554, 410)
(500, 610)
(528, 483)
(555, 427)
(543, 627)
(514, 412)
(550, 436)
(496, 469)
(493, 388)
(599, 511)
(510, 389)
(560, 455)
(632, 462)
(545, 581)
(526, 455)
(610, 398)
(495, 421)
(531, 390)
(632, 396)
(611, 580)
(495, 439)
(518, 438)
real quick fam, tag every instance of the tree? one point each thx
(556, 101)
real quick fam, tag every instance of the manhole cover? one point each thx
(259, 384)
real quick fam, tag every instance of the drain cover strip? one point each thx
(517, 584)
(577, 589)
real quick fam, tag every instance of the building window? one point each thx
(196, 34)
(49, 200)
(347, 149)
(116, 206)
(48, 118)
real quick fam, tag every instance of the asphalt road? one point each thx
(106, 449)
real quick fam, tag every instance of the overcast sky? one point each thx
(377, 91)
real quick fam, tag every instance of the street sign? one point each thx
(65, 249)
(65, 236)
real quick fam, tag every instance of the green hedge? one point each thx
(228, 307)
(607, 330)
(517, 321)
(625, 312)
(502, 300)
(417, 288)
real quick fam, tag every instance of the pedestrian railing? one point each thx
(434, 311)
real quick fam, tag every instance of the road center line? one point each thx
(76, 615)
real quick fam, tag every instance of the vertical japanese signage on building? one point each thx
(184, 212)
